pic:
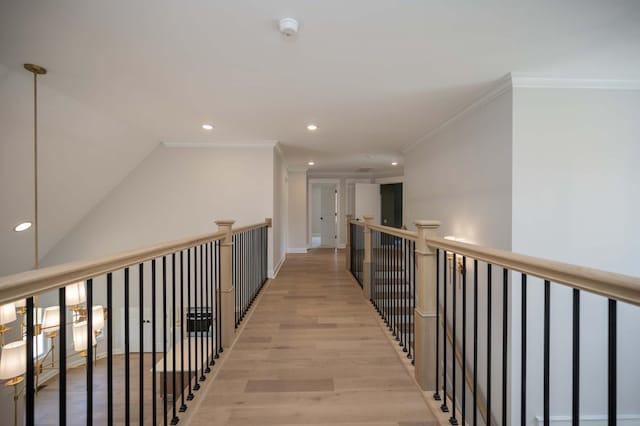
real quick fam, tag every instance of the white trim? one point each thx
(501, 86)
(256, 144)
(296, 250)
(342, 246)
(595, 420)
(524, 80)
(274, 273)
(295, 169)
(278, 148)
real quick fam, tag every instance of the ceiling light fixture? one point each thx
(207, 126)
(288, 26)
(22, 226)
(394, 163)
(312, 127)
(311, 163)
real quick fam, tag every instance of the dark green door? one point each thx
(391, 204)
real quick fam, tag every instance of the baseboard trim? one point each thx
(274, 273)
(295, 250)
(594, 420)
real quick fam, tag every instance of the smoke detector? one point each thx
(288, 27)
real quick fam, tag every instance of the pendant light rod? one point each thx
(35, 70)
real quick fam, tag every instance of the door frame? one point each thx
(312, 181)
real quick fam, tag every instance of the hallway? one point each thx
(312, 353)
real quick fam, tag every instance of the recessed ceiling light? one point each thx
(311, 163)
(207, 126)
(22, 226)
(394, 163)
(312, 127)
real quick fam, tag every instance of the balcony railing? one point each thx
(462, 302)
(149, 323)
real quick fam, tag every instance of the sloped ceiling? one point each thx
(375, 75)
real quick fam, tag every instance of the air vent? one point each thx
(364, 170)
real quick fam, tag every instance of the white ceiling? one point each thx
(375, 75)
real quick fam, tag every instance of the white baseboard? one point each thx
(274, 273)
(593, 420)
(296, 250)
(342, 246)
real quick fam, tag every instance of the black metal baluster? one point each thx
(475, 342)
(165, 391)
(154, 385)
(110, 315)
(62, 363)
(202, 313)
(127, 348)
(463, 273)
(219, 304)
(613, 364)
(174, 419)
(489, 300)
(444, 407)
(454, 342)
(90, 338)
(183, 406)
(207, 267)
(212, 304)
(436, 394)
(29, 387)
(505, 330)
(196, 312)
(405, 294)
(547, 317)
(575, 403)
(189, 329)
(141, 340)
(523, 355)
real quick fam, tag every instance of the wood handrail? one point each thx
(356, 222)
(24, 284)
(620, 287)
(250, 227)
(401, 233)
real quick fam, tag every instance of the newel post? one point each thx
(366, 264)
(347, 247)
(227, 291)
(425, 312)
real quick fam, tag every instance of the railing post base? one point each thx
(425, 319)
(227, 291)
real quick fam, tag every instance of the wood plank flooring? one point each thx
(312, 353)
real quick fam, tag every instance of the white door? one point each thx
(368, 200)
(147, 338)
(328, 215)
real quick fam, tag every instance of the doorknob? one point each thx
(321, 218)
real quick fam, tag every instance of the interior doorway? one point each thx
(391, 204)
(324, 215)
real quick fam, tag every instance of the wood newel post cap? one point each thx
(269, 222)
(349, 217)
(427, 224)
(368, 218)
(225, 224)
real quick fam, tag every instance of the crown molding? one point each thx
(540, 81)
(295, 169)
(501, 86)
(256, 144)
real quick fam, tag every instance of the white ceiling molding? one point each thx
(499, 87)
(295, 169)
(257, 144)
(538, 81)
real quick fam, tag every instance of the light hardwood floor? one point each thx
(312, 353)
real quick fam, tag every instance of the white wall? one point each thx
(175, 193)
(576, 199)
(297, 212)
(462, 176)
(280, 210)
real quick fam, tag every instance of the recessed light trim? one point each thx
(22, 226)
(394, 163)
(312, 127)
(311, 163)
(207, 126)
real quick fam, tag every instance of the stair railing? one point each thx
(159, 316)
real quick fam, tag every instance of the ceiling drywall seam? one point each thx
(497, 89)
